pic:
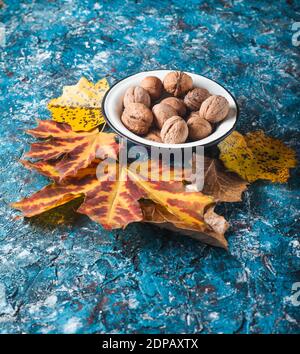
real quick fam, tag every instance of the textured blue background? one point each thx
(75, 277)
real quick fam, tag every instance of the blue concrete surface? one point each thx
(76, 277)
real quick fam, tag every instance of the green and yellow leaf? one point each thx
(257, 156)
(80, 105)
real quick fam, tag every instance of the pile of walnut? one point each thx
(189, 114)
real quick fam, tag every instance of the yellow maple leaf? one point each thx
(257, 156)
(80, 105)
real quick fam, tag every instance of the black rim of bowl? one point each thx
(212, 143)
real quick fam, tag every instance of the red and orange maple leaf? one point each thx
(75, 150)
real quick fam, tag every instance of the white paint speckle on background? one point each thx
(133, 303)
(5, 307)
(72, 325)
(152, 41)
(23, 254)
(214, 316)
(295, 247)
(290, 319)
(51, 301)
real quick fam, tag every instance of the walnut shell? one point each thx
(174, 131)
(161, 113)
(153, 85)
(154, 135)
(199, 128)
(177, 104)
(177, 83)
(137, 118)
(214, 109)
(195, 98)
(192, 115)
(136, 95)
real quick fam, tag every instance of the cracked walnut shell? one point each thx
(137, 118)
(177, 83)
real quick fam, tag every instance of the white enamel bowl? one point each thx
(112, 108)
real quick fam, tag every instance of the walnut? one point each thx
(199, 128)
(214, 109)
(137, 118)
(194, 98)
(193, 115)
(154, 135)
(177, 104)
(178, 83)
(174, 131)
(162, 112)
(136, 95)
(153, 85)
